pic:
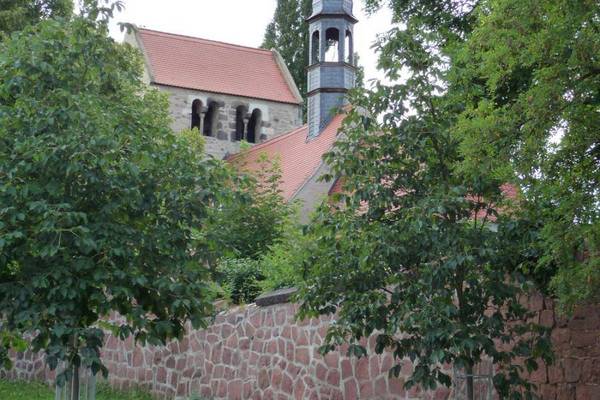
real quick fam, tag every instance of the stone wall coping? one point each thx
(277, 297)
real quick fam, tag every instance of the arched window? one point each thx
(332, 45)
(197, 115)
(211, 119)
(349, 48)
(240, 124)
(254, 125)
(315, 55)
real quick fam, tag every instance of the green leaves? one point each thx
(427, 247)
(531, 116)
(98, 197)
(15, 15)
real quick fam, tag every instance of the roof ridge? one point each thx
(207, 41)
(270, 141)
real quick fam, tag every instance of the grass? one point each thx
(37, 391)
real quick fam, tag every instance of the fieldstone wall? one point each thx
(576, 342)
(277, 118)
(263, 353)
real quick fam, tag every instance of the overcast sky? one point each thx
(238, 21)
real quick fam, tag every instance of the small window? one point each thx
(332, 45)
(240, 124)
(254, 125)
(211, 119)
(315, 48)
(349, 48)
(197, 114)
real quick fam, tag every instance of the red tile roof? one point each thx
(217, 67)
(299, 157)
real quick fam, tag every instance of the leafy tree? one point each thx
(240, 279)
(288, 34)
(98, 197)
(425, 253)
(17, 14)
(284, 264)
(252, 217)
(530, 79)
(281, 265)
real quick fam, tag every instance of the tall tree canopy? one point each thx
(525, 80)
(529, 79)
(99, 199)
(17, 14)
(473, 176)
(288, 34)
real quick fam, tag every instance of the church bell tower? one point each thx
(331, 70)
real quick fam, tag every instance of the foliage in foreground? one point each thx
(248, 229)
(525, 81)
(98, 198)
(38, 391)
(428, 248)
(251, 218)
(15, 15)
(529, 77)
(282, 265)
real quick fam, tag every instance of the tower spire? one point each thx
(331, 70)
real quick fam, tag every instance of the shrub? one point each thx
(283, 265)
(240, 279)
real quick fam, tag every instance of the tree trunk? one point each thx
(470, 383)
(75, 383)
(75, 370)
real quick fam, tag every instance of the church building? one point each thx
(232, 93)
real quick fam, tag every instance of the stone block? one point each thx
(585, 339)
(362, 369)
(347, 370)
(302, 356)
(333, 378)
(587, 392)
(366, 390)
(332, 359)
(235, 390)
(351, 389)
(397, 387)
(555, 374)
(547, 318)
(299, 390)
(321, 372)
(572, 368)
(287, 385)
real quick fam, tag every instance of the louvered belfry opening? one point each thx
(331, 72)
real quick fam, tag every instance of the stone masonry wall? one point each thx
(277, 118)
(263, 353)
